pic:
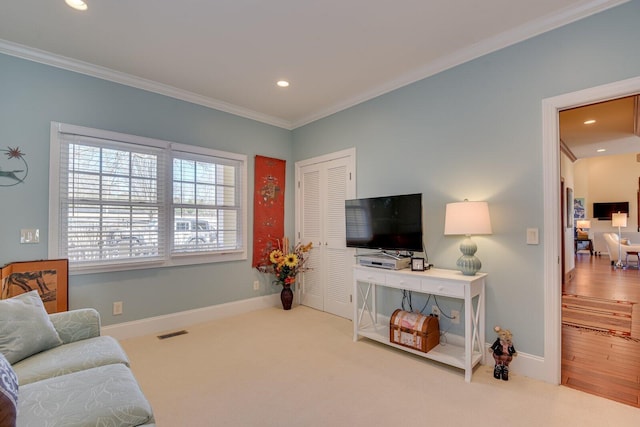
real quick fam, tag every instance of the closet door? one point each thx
(312, 291)
(323, 187)
(338, 281)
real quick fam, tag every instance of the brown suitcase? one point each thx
(414, 330)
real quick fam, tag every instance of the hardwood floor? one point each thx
(594, 362)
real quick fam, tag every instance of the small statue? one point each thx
(503, 352)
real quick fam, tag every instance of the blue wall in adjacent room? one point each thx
(32, 95)
(475, 132)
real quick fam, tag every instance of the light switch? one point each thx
(30, 235)
(532, 236)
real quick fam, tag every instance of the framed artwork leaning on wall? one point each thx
(48, 277)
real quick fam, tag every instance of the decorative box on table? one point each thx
(414, 330)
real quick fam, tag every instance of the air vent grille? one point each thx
(172, 334)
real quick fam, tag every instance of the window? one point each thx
(121, 201)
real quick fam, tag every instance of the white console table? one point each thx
(448, 283)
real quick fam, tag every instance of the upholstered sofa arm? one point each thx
(77, 324)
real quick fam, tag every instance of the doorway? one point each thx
(600, 344)
(552, 223)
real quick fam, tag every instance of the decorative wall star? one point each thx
(14, 153)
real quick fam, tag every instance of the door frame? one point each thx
(551, 108)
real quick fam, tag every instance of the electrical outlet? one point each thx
(117, 308)
(455, 314)
(435, 310)
(256, 285)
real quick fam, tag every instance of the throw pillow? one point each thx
(25, 328)
(8, 394)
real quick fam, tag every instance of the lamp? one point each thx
(467, 218)
(583, 225)
(619, 220)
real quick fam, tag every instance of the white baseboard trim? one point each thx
(528, 365)
(183, 319)
(523, 364)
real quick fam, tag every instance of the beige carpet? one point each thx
(302, 368)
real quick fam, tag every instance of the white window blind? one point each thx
(122, 201)
(206, 203)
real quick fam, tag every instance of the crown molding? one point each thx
(479, 49)
(81, 67)
(483, 47)
(567, 151)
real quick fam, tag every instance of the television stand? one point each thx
(368, 323)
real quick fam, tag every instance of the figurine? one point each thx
(503, 352)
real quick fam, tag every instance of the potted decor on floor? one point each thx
(285, 262)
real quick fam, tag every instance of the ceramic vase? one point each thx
(286, 296)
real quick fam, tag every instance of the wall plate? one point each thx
(30, 235)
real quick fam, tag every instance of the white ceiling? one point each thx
(228, 54)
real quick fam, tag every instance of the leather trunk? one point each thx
(414, 330)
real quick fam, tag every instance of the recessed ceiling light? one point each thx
(283, 83)
(589, 122)
(601, 150)
(77, 4)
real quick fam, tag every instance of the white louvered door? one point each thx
(311, 231)
(323, 186)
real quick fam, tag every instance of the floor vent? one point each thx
(172, 334)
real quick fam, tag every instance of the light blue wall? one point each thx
(32, 95)
(471, 132)
(475, 132)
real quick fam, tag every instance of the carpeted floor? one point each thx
(301, 368)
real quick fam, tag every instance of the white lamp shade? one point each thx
(583, 223)
(467, 218)
(619, 219)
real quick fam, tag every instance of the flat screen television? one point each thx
(392, 223)
(603, 211)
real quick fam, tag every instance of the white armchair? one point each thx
(624, 250)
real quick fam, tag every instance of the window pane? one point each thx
(194, 230)
(205, 173)
(226, 196)
(109, 214)
(114, 209)
(206, 194)
(184, 170)
(84, 186)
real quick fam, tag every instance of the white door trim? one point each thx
(551, 184)
(349, 152)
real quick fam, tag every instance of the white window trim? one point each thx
(170, 260)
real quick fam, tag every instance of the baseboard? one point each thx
(524, 364)
(569, 275)
(183, 319)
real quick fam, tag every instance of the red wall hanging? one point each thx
(268, 206)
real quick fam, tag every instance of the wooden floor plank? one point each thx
(594, 362)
